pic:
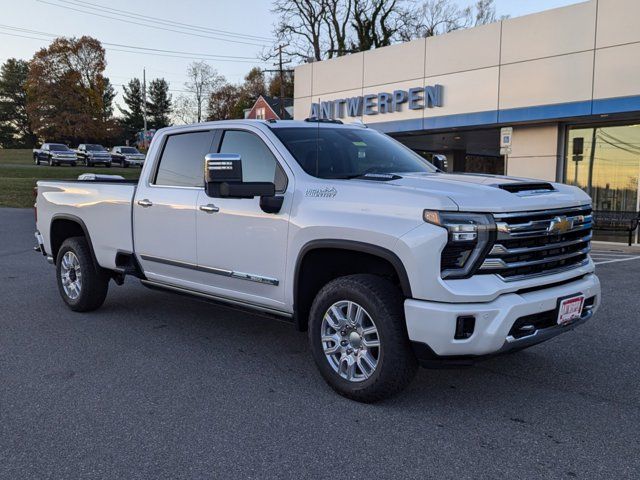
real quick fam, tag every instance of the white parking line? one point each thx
(618, 260)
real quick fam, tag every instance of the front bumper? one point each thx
(432, 325)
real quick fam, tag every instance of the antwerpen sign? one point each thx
(415, 98)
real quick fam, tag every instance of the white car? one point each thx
(386, 262)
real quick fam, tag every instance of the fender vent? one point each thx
(527, 187)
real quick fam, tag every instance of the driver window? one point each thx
(258, 163)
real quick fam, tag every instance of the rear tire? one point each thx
(349, 361)
(82, 284)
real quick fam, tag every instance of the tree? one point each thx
(376, 23)
(315, 30)
(254, 84)
(202, 80)
(15, 128)
(159, 104)
(132, 117)
(223, 103)
(274, 85)
(108, 95)
(301, 26)
(74, 66)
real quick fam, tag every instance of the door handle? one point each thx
(209, 208)
(145, 203)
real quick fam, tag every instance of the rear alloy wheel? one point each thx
(358, 338)
(82, 284)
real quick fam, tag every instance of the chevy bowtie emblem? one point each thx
(560, 225)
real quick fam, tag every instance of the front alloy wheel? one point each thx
(350, 341)
(358, 337)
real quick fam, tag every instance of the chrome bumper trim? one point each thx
(512, 343)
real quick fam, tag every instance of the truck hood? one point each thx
(493, 193)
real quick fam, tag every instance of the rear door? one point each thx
(164, 210)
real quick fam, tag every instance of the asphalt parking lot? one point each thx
(160, 386)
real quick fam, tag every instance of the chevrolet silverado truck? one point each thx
(92, 154)
(126, 156)
(54, 154)
(385, 261)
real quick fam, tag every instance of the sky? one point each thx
(237, 31)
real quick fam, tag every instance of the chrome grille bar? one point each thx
(499, 264)
(531, 244)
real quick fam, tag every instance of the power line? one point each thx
(164, 29)
(146, 50)
(161, 20)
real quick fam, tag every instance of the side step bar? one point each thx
(223, 301)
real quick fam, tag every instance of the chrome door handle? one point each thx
(210, 208)
(145, 203)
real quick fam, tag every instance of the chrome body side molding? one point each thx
(252, 277)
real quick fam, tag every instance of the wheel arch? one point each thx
(339, 257)
(65, 226)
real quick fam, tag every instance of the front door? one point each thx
(241, 249)
(164, 210)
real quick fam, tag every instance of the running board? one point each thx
(223, 301)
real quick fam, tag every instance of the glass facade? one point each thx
(604, 160)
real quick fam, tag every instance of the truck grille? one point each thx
(539, 243)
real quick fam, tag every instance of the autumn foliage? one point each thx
(66, 91)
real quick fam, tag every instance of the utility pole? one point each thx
(281, 81)
(280, 71)
(144, 106)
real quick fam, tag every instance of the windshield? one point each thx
(349, 152)
(129, 150)
(57, 148)
(95, 148)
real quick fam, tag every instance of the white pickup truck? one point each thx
(386, 261)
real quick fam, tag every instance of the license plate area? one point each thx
(570, 308)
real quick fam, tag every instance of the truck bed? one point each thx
(103, 206)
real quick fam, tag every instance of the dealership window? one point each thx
(604, 161)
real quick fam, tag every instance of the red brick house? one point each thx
(268, 108)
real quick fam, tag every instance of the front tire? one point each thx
(82, 284)
(358, 338)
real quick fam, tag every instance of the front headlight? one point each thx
(470, 237)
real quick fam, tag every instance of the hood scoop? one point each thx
(527, 188)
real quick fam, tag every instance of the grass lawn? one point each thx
(18, 176)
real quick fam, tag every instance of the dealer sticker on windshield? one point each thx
(570, 309)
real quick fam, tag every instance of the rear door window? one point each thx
(182, 160)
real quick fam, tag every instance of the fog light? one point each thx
(464, 327)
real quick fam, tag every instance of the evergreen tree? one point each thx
(133, 120)
(108, 94)
(15, 128)
(159, 104)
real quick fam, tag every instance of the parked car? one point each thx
(54, 154)
(384, 260)
(93, 154)
(126, 156)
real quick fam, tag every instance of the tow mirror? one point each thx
(223, 178)
(440, 162)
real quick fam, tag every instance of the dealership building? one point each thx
(563, 87)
